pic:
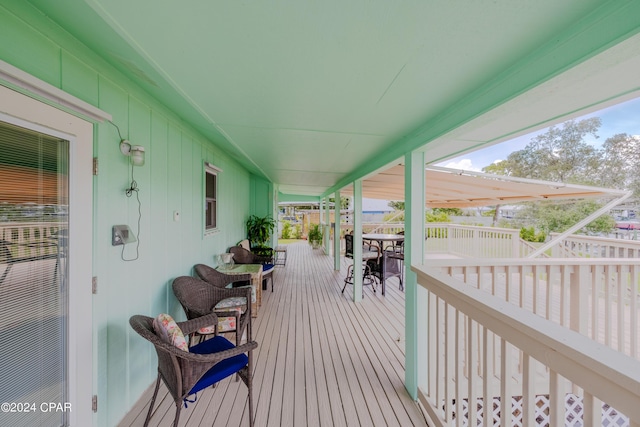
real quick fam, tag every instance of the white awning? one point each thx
(450, 188)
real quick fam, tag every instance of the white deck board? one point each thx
(322, 360)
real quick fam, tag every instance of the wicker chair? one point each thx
(221, 280)
(243, 256)
(199, 298)
(187, 372)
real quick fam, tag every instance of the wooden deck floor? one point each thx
(322, 360)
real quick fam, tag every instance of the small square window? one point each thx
(211, 197)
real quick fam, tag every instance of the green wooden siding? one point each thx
(171, 180)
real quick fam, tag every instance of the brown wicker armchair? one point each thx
(243, 256)
(216, 278)
(187, 372)
(199, 298)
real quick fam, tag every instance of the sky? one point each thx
(620, 118)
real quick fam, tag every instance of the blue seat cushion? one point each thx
(222, 369)
(267, 268)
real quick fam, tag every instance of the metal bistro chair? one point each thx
(392, 266)
(370, 254)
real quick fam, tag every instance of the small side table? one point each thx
(280, 257)
(256, 281)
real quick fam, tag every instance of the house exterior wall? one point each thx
(171, 181)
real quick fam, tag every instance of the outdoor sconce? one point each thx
(135, 152)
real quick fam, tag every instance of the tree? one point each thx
(396, 205)
(621, 160)
(554, 217)
(344, 202)
(561, 154)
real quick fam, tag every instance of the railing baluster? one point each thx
(556, 399)
(505, 384)
(634, 328)
(472, 348)
(528, 391)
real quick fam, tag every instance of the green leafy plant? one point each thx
(529, 234)
(315, 235)
(286, 230)
(259, 230)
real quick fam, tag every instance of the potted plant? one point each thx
(259, 230)
(315, 235)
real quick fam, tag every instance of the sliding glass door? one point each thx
(34, 288)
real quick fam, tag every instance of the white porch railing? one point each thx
(596, 247)
(25, 240)
(530, 342)
(475, 242)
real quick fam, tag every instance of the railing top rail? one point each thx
(605, 373)
(601, 239)
(506, 262)
(31, 224)
(471, 227)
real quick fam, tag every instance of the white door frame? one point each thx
(25, 111)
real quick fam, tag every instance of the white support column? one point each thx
(415, 302)
(357, 240)
(326, 227)
(336, 232)
(321, 218)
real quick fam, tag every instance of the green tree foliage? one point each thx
(435, 216)
(557, 217)
(620, 162)
(286, 229)
(529, 234)
(396, 205)
(561, 154)
(449, 211)
(344, 202)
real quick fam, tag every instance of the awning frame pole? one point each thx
(606, 208)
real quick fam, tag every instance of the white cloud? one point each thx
(464, 164)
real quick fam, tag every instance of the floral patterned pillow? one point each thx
(167, 329)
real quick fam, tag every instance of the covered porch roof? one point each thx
(314, 95)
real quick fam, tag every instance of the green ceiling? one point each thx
(312, 94)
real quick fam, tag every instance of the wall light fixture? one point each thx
(134, 152)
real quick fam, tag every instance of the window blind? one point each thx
(33, 275)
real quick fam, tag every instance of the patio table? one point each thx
(256, 281)
(380, 238)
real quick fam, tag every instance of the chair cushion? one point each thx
(253, 291)
(168, 330)
(221, 369)
(267, 269)
(225, 324)
(232, 303)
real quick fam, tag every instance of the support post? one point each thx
(357, 240)
(326, 227)
(415, 302)
(336, 232)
